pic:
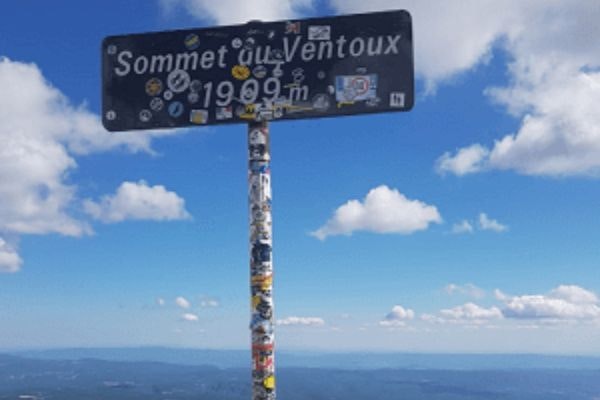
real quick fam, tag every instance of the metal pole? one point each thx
(261, 263)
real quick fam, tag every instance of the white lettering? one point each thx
(124, 63)
(371, 50)
(222, 51)
(354, 51)
(392, 44)
(308, 51)
(340, 42)
(161, 60)
(245, 57)
(289, 54)
(140, 66)
(323, 47)
(184, 59)
(208, 59)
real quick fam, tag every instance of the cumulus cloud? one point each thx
(41, 134)
(235, 12)
(301, 321)
(9, 259)
(566, 302)
(467, 289)
(183, 302)
(190, 317)
(137, 200)
(554, 81)
(466, 314)
(398, 316)
(488, 224)
(383, 210)
(465, 161)
(462, 227)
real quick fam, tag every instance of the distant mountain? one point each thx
(350, 361)
(89, 379)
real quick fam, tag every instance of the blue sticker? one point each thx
(176, 109)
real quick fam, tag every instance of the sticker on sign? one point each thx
(317, 67)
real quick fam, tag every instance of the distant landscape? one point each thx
(161, 373)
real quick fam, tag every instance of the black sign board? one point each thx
(308, 68)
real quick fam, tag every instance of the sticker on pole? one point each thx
(317, 67)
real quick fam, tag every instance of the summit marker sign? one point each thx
(318, 67)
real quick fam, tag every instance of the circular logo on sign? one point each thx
(240, 72)
(111, 115)
(260, 71)
(168, 95)
(195, 85)
(145, 115)
(178, 80)
(193, 97)
(176, 109)
(156, 104)
(236, 43)
(192, 41)
(153, 87)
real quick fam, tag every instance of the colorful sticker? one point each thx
(198, 116)
(351, 88)
(176, 109)
(192, 41)
(240, 72)
(292, 27)
(153, 87)
(224, 113)
(319, 32)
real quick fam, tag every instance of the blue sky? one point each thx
(474, 218)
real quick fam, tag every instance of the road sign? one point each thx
(308, 68)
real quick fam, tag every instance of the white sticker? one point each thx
(319, 32)
(397, 99)
(178, 80)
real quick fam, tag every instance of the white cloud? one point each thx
(462, 227)
(190, 317)
(566, 302)
(138, 201)
(41, 133)
(233, 11)
(466, 314)
(183, 302)
(471, 312)
(466, 160)
(301, 321)
(383, 210)
(488, 224)
(467, 289)
(9, 259)
(397, 317)
(209, 302)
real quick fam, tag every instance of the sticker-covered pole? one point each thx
(261, 263)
